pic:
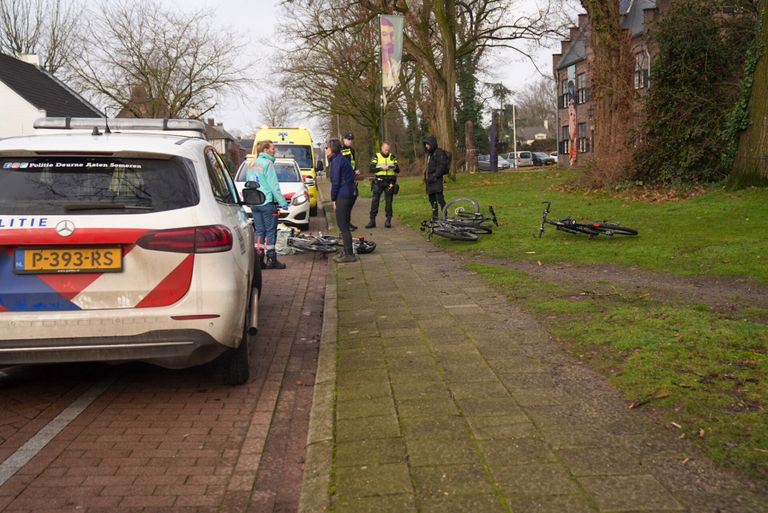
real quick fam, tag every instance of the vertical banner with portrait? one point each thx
(572, 126)
(391, 30)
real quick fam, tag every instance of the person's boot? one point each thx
(345, 258)
(262, 263)
(388, 223)
(371, 223)
(352, 227)
(272, 262)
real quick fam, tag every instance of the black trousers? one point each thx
(439, 198)
(343, 217)
(380, 188)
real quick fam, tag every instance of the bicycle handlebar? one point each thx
(544, 216)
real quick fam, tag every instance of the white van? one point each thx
(520, 159)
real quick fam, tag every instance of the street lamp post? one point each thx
(514, 138)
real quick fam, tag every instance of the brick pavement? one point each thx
(178, 441)
(434, 395)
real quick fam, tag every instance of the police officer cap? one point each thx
(349, 135)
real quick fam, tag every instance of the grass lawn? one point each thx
(718, 233)
(704, 368)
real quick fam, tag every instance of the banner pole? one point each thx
(383, 90)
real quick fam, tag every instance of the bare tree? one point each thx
(442, 33)
(275, 110)
(47, 28)
(537, 105)
(333, 72)
(151, 61)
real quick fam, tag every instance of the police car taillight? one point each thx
(195, 239)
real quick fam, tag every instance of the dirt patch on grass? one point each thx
(722, 294)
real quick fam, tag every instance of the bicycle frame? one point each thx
(593, 229)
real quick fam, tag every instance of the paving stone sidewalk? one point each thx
(435, 395)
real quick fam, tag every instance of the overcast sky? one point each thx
(258, 19)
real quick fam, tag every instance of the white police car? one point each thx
(127, 243)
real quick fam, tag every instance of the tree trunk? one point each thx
(445, 91)
(751, 165)
(470, 164)
(612, 91)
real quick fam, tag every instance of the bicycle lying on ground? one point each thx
(462, 220)
(465, 211)
(329, 243)
(591, 228)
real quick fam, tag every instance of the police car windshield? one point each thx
(93, 185)
(301, 154)
(287, 173)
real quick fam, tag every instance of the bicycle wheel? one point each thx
(458, 206)
(482, 229)
(364, 247)
(455, 233)
(613, 229)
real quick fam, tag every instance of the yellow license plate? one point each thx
(68, 260)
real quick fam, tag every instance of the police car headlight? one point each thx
(299, 199)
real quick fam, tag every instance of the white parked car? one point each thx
(293, 186)
(124, 245)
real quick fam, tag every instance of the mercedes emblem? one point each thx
(65, 228)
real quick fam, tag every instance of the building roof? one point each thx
(43, 90)
(530, 132)
(578, 49)
(634, 17)
(216, 131)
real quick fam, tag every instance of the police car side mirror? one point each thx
(309, 181)
(252, 195)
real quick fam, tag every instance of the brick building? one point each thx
(572, 71)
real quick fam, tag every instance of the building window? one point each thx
(641, 70)
(563, 98)
(564, 141)
(584, 142)
(582, 91)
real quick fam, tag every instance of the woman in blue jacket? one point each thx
(265, 215)
(343, 195)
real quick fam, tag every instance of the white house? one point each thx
(28, 93)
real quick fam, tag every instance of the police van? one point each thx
(294, 143)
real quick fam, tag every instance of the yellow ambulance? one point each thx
(294, 143)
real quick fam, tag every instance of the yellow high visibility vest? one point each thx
(385, 165)
(347, 152)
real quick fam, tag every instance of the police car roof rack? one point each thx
(123, 125)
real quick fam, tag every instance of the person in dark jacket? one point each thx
(342, 195)
(349, 153)
(438, 163)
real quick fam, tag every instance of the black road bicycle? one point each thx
(465, 212)
(329, 243)
(447, 228)
(591, 228)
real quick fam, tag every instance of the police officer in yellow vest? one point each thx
(385, 169)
